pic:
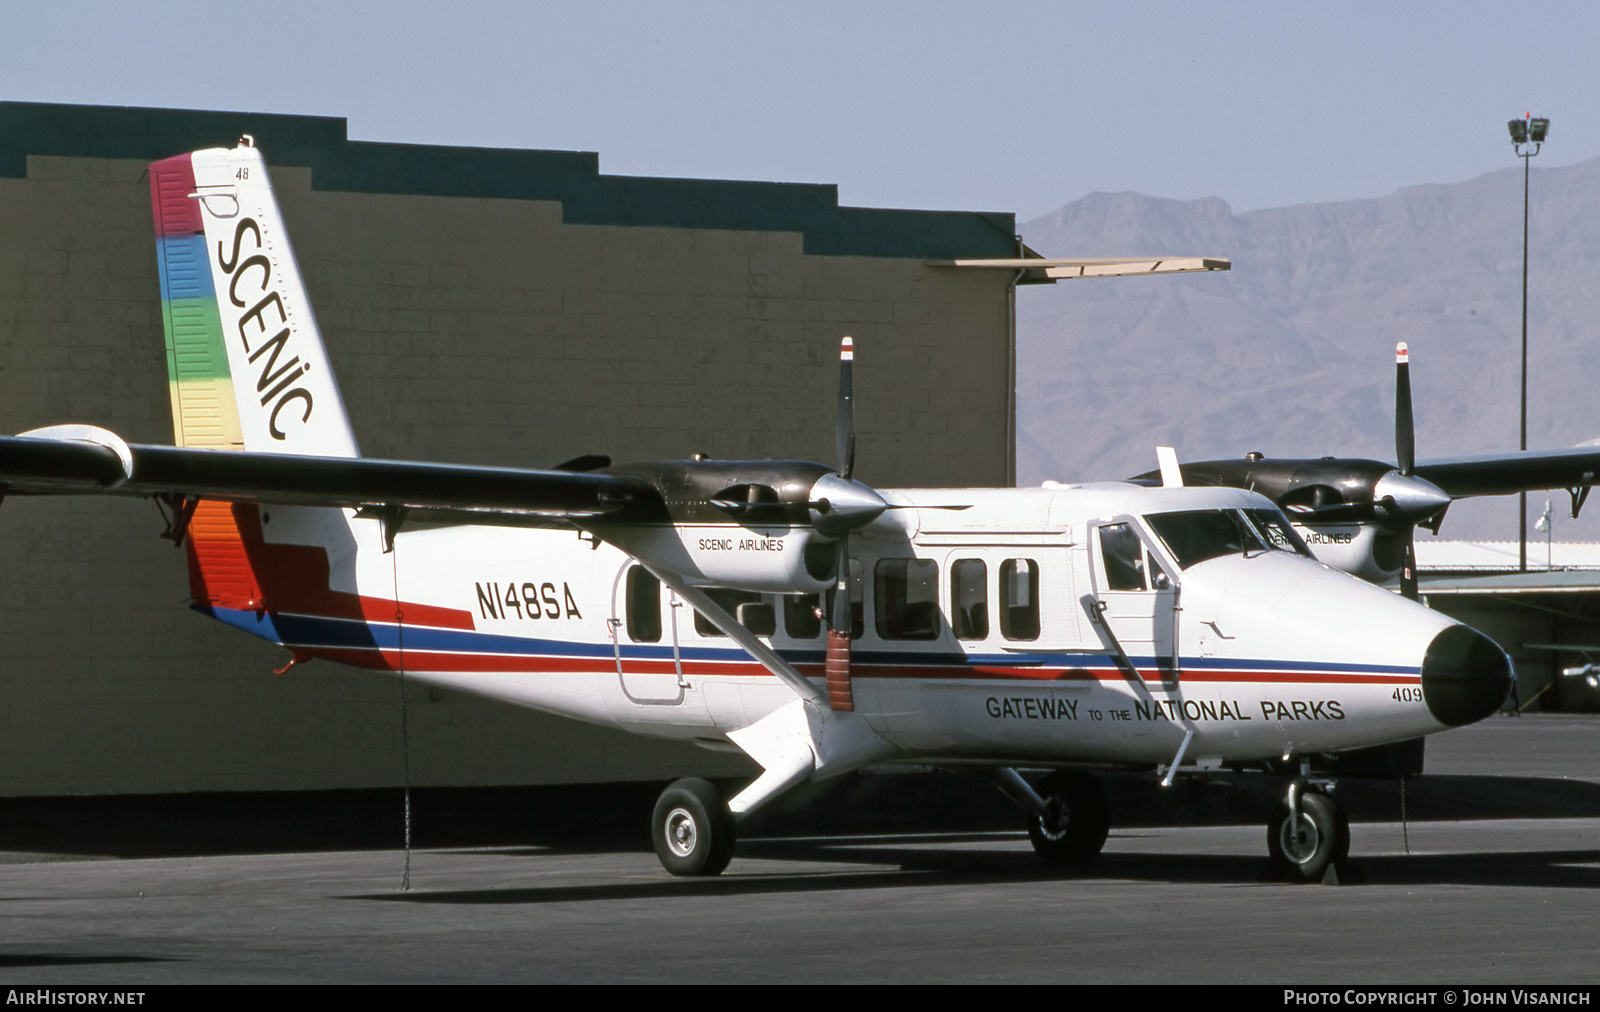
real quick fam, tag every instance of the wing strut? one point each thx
(178, 510)
(719, 617)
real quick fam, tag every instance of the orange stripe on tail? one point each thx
(231, 565)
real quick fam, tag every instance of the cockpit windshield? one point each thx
(1193, 536)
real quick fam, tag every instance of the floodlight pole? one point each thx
(1519, 138)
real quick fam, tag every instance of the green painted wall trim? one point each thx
(322, 144)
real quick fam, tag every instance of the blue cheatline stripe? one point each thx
(1245, 664)
(313, 632)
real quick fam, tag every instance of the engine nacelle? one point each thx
(770, 526)
(781, 560)
(1365, 550)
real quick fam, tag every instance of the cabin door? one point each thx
(644, 638)
(1135, 599)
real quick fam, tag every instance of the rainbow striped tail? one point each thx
(245, 358)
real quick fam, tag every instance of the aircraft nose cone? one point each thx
(1465, 676)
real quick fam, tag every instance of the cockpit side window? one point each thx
(1124, 557)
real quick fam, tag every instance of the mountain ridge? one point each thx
(1291, 352)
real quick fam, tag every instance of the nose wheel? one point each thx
(692, 829)
(1307, 835)
(1077, 822)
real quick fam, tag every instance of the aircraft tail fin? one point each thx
(245, 361)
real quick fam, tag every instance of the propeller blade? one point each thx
(846, 428)
(1405, 434)
(1408, 569)
(839, 617)
(837, 662)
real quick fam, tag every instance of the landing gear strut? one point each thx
(1077, 820)
(692, 829)
(1307, 835)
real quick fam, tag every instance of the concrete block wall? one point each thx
(481, 329)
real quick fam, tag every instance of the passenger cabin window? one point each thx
(1019, 599)
(644, 606)
(969, 599)
(800, 616)
(906, 599)
(733, 602)
(758, 617)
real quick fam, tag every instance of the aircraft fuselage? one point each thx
(1048, 626)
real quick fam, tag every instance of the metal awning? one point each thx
(1555, 581)
(1047, 271)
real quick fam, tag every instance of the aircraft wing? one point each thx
(1507, 473)
(101, 463)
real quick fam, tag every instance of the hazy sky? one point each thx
(1009, 107)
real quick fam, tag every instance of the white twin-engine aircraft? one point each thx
(1110, 626)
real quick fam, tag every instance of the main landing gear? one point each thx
(1076, 819)
(692, 829)
(1308, 835)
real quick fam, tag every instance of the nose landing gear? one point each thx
(1307, 836)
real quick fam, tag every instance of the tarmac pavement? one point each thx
(1505, 900)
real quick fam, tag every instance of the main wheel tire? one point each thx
(1080, 819)
(1303, 850)
(692, 829)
